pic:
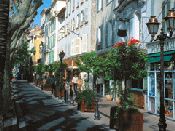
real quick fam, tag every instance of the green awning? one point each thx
(165, 53)
(157, 59)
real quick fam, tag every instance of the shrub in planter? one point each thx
(126, 117)
(86, 100)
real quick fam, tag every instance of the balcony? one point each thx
(154, 47)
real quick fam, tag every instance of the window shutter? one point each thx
(84, 43)
(77, 20)
(72, 47)
(109, 34)
(86, 15)
(106, 35)
(77, 45)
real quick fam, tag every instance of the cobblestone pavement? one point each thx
(150, 120)
(41, 111)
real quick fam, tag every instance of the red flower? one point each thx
(118, 44)
(133, 41)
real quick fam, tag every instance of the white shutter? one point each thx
(84, 43)
(77, 20)
(99, 35)
(77, 46)
(99, 5)
(86, 15)
(72, 47)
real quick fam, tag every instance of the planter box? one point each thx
(130, 121)
(126, 121)
(47, 87)
(85, 108)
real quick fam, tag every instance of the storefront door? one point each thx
(154, 93)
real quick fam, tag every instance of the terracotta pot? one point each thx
(85, 108)
(131, 121)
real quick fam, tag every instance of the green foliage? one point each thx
(87, 95)
(39, 69)
(22, 54)
(91, 63)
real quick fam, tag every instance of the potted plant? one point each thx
(86, 100)
(130, 64)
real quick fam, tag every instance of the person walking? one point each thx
(75, 81)
(67, 91)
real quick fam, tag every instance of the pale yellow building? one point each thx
(35, 44)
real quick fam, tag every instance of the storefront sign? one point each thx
(154, 47)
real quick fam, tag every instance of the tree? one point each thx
(130, 64)
(4, 18)
(91, 63)
(21, 16)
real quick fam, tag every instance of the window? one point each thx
(137, 84)
(109, 33)
(114, 31)
(108, 1)
(99, 38)
(82, 18)
(77, 21)
(68, 7)
(77, 3)
(82, 1)
(84, 46)
(99, 4)
(86, 15)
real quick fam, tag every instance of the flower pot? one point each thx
(131, 121)
(47, 87)
(86, 108)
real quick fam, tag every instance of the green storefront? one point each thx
(169, 82)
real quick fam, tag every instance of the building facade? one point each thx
(49, 24)
(118, 20)
(74, 34)
(35, 41)
(160, 9)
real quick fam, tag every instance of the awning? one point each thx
(165, 53)
(157, 59)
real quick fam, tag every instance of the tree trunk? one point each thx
(6, 85)
(4, 21)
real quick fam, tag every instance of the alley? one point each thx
(40, 111)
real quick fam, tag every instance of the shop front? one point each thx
(153, 91)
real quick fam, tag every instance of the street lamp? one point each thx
(153, 26)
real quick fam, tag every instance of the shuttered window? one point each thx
(99, 5)
(84, 47)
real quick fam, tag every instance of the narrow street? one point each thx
(40, 111)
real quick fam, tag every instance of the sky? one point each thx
(46, 4)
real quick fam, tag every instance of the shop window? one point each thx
(168, 85)
(137, 84)
(168, 108)
(151, 84)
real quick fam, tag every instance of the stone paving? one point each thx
(41, 111)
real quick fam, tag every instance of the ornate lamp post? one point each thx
(153, 26)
